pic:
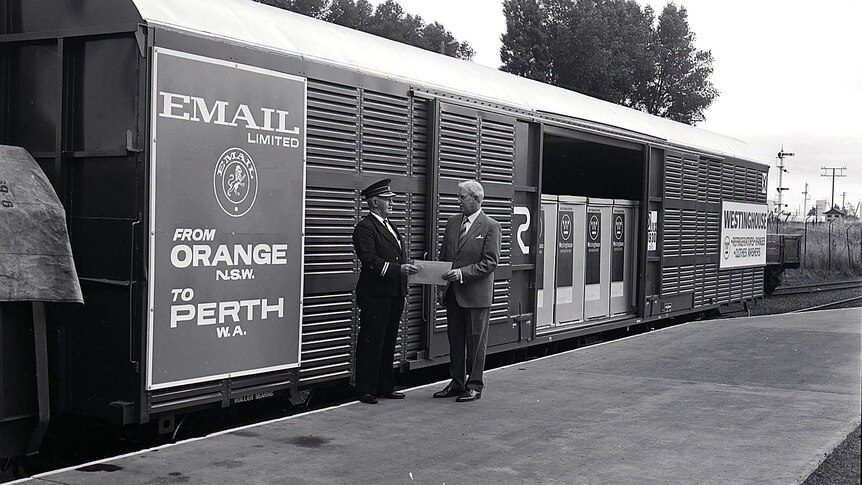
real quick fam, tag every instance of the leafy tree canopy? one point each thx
(525, 44)
(612, 50)
(388, 20)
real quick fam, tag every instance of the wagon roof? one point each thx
(272, 28)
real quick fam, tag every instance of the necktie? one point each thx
(392, 231)
(463, 234)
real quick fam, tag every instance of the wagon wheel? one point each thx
(772, 279)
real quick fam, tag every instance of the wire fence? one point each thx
(832, 246)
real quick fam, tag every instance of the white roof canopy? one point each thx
(252, 23)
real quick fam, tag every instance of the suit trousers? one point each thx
(467, 329)
(375, 349)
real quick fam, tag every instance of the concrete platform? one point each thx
(748, 400)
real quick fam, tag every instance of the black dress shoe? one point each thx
(368, 398)
(392, 395)
(448, 391)
(469, 395)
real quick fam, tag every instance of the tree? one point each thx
(631, 64)
(612, 50)
(311, 8)
(356, 15)
(388, 20)
(525, 43)
(681, 89)
(601, 48)
(436, 38)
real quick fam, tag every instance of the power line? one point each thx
(833, 175)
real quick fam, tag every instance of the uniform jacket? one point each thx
(381, 260)
(477, 257)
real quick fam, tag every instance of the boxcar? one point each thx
(210, 156)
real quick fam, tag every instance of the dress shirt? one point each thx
(387, 225)
(470, 220)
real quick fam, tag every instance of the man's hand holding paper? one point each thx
(430, 272)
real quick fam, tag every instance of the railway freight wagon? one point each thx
(210, 156)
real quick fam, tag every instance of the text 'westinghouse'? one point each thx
(744, 220)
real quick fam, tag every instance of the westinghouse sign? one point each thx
(743, 235)
(227, 178)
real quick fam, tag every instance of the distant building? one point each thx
(833, 215)
(821, 206)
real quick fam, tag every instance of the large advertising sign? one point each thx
(227, 199)
(743, 235)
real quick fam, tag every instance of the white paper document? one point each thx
(430, 272)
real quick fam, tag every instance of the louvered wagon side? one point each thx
(210, 157)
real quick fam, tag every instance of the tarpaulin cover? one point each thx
(35, 256)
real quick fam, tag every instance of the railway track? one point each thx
(818, 287)
(827, 306)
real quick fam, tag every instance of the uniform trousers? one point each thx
(467, 329)
(375, 349)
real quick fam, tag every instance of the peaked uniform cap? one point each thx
(379, 189)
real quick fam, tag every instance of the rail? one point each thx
(829, 305)
(817, 287)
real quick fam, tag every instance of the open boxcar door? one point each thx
(467, 143)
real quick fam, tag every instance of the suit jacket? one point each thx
(477, 257)
(381, 258)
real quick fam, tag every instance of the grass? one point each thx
(846, 251)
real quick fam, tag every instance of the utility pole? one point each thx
(781, 188)
(805, 204)
(833, 175)
(843, 199)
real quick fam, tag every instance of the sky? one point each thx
(789, 74)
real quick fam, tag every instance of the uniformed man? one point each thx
(380, 292)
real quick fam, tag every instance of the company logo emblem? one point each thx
(235, 182)
(566, 227)
(726, 245)
(594, 227)
(618, 228)
(763, 182)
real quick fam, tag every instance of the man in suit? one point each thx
(380, 293)
(472, 243)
